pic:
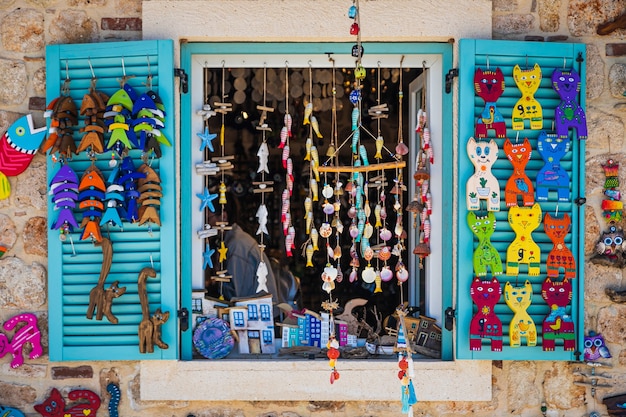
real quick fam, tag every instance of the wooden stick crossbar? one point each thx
(368, 168)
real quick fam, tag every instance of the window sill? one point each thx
(308, 380)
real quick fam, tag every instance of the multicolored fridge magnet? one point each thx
(612, 207)
(558, 324)
(560, 255)
(28, 333)
(527, 107)
(522, 325)
(486, 324)
(485, 253)
(552, 176)
(524, 250)
(519, 184)
(18, 146)
(82, 403)
(483, 185)
(568, 114)
(489, 85)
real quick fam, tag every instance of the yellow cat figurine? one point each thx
(522, 325)
(527, 107)
(524, 250)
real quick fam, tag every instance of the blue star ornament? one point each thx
(207, 139)
(208, 252)
(207, 200)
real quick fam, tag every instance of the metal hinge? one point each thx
(449, 322)
(454, 72)
(184, 80)
(580, 201)
(183, 318)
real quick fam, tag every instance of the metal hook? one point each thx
(151, 261)
(93, 75)
(65, 88)
(517, 137)
(223, 63)
(286, 64)
(487, 62)
(67, 71)
(526, 61)
(123, 68)
(149, 77)
(564, 62)
(556, 211)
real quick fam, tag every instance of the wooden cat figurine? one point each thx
(85, 403)
(489, 85)
(519, 184)
(485, 253)
(101, 300)
(485, 324)
(522, 325)
(482, 185)
(560, 256)
(568, 114)
(558, 324)
(10, 412)
(28, 333)
(524, 250)
(150, 326)
(527, 107)
(552, 176)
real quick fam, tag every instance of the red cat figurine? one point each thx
(558, 324)
(85, 404)
(486, 324)
(560, 256)
(518, 184)
(489, 85)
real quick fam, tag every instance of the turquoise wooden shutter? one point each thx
(71, 277)
(505, 55)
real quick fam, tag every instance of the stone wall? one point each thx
(519, 388)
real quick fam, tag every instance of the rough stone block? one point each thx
(615, 49)
(120, 23)
(36, 236)
(65, 372)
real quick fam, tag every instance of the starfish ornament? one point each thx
(222, 251)
(207, 200)
(207, 139)
(208, 252)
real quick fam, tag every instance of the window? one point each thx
(268, 337)
(253, 313)
(266, 312)
(238, 318)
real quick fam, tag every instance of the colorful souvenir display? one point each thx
(483, 185)
(560, 255)
(595, 347)
(18, 146)
(519, 184)
(485, 254)
(83, 402)
(558, 323)
(568, 114)
(524, 250)
(28, 333)
(552, 176)
(527, 107)
(486, 324)
(518, 298)
(150, 326)
(489, 85)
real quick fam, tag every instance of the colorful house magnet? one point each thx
(489, 85)
(568, 114)
(527, 107)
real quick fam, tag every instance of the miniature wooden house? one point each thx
(252, 319)
(289, 335)
(424, 335)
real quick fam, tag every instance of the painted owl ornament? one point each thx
(611, 248)
(595, 348)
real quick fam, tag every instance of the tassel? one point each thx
(405, 399)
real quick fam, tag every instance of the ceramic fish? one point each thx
(427, 146)
(308, 111)
(284, 134)
(222, 191)
(308, 205)
(285, 156)
(309, 222)
(18, 146)
(363, 155)
(315, 162)
(261, 276)
(355, 118)
(379, 142)
(309, 255)
(263, 154)
(316, 127)
(289, 183)
(286, 205)
(356, 136)
(307, 146)
(289, 241)
(288, 121)
(290, 169)
(377, 210)
(261, 215)
(286, 223)
(314, 189)
(314, 238)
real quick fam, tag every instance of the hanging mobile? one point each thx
(92, 108)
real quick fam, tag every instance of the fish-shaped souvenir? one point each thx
(261, 215)
(289, 183)
(314, 189)
(308, 205)
(427, 146)
(263, 154)
(91, 195)
(18, 146)
(316, 127)
(308, 111)
(286, 223)
(356, 136)
(314, 235)
(363, 155)
(286, 205)
(288, 121)
(284, 134)
(290, 169)
(62, 114)
(150, 198)
(261, 277)
(308, 222)
(64, 188)
(222, 191)
(128, 178)
(289, 241)
(315, 163)
(378, 280)
(355, 118)
(307, 146)
(285, 156)
(379, 143)
(309, 255)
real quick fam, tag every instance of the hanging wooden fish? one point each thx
(483, 185)
(527, 107)
(64, 191)
(261, 275)
(524, 250)
(489, 85)
(558, 324)
(18, 146)
(129, 177)
(552, 176)
(261, 215)
(62, 115)
(148, 122)
(560, 255)
(568, 114)
(117, 119)
(263, 154)
(485, 254)
(522, 325)
(92, 108)
(518, 184)
(485, 324)
(114, 200)
(91, 196)
(150, 195)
